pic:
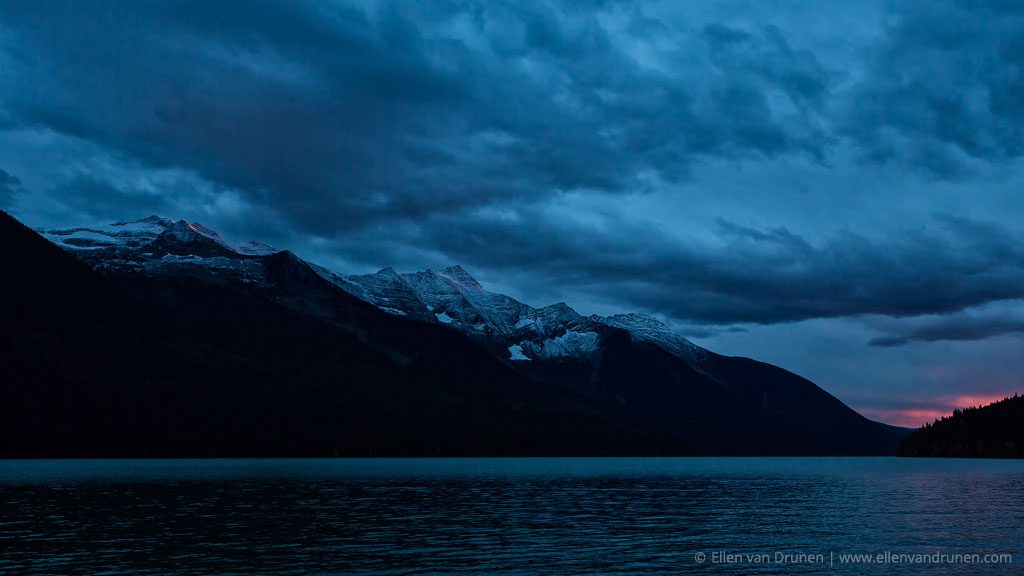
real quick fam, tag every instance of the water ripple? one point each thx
(593, 516)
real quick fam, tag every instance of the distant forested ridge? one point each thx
(993, 431)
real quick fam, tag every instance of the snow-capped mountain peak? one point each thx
(255, 248)
(128, 233)
(152, 223)
(206, 232)
(637, 321)
(187, 232)
(459, 275)
(647, 328)
(132, 234)
(560, 310)
(454, 298)
(386, 289)
(184, 239)
(183, 231)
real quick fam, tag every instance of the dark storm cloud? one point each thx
(889, 341)
(705, 331)
(9, 185)
(753, 63)
(944, 86)
(98, 199)
(339, 115)
(956, 328)
(277, 97)
(752, 275)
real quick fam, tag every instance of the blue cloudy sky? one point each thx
(833, 187)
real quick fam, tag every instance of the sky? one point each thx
(835, 187)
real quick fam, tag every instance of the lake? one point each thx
(513, 516)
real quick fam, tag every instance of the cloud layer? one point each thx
(9, 185)
(456, 125)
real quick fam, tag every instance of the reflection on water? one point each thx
(488, 516)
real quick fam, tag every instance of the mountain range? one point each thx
(158, 337)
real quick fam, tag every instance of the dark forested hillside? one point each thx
(183, 346)
(129, 365)
(993, 431)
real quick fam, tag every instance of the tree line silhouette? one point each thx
(993, 431)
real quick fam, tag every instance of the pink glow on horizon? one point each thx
(967, 401)
(930, 411)
(909, 417)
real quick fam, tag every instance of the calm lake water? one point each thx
(513, 516)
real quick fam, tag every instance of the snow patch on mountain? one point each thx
(568, 345)
(525, 322)
(515, 352)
